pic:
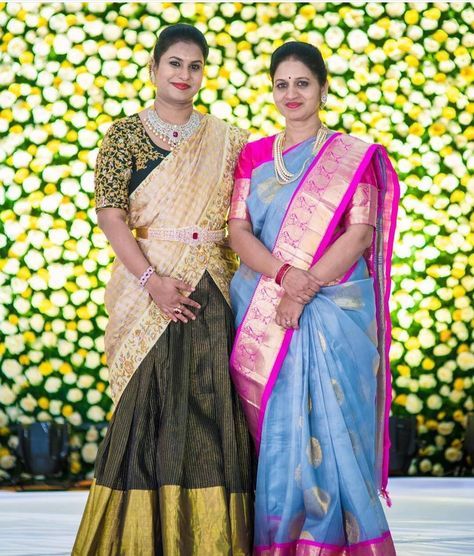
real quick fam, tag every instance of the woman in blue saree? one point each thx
(313, 219)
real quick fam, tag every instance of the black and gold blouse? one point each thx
(126, 157)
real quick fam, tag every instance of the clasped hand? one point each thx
(167, 293)
(300, 285)
(300, 288)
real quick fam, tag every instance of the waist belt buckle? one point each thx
(196, 236)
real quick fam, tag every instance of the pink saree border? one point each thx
(289, 333)
(394, 191)
(322, 247)
(335, 550)
(311, 166)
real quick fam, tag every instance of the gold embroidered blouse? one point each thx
(127, 155)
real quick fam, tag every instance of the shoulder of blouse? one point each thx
(122, 129)
(259, 151)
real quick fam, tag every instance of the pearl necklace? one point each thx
(283, 175)
(173, 134)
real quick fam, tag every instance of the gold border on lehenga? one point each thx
(204, 521)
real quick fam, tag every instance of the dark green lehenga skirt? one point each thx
(174, 473)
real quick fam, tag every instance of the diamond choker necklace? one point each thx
(173, 134)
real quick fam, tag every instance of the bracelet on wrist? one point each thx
(146, 276)
(284, 269)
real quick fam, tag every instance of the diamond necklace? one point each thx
(173, 134)
(283, 175)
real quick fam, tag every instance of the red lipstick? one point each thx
(181, 86)
(293, 105)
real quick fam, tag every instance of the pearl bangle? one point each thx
(146, 276)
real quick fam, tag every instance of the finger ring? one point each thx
(288, 322)
(177, 311)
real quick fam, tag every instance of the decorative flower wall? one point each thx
(401, 75)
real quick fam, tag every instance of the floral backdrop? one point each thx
(401, 75)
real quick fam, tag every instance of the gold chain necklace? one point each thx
(283, 175)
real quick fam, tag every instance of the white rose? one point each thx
(75, 419)
(92, 435)
(11, 368)
(52, 384)
(453, 454)
(434, 402)
(3, 419)
(445, 375)
(28, 403)
(15, 344)
(89, 452)
(25, 420)
(427, 338)
(357, 40)
(425, 465)
(70, 378)
(96, 414)
(414, 358)
(43, 416)
(94, 396)
(465, 360)
(7, 462)
(65, 348)
(438, 470)
(337, 65)
(440, 441)
(456, 396)
(92, 360)
(334, 37)
(55, 407)
(75, 395)
(413, 385)
(445, 428)
(427, 381)
(7, 396)
(85, 381)
(413, 404)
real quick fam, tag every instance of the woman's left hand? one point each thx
(288, 312)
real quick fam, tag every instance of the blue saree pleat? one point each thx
(316, 464)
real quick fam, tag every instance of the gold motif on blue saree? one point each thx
(337, 391)
(351, 528)
(316, 502)
(314, 452)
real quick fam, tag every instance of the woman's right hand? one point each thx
(300, 285)
(167, 294)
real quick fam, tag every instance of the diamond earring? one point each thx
(324, 99)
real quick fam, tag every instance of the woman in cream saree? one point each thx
(314, 380)
(173, 475)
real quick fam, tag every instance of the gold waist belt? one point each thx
(193, 235)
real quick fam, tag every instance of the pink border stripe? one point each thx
(289, 333)
(322, 247)
(370, 542)
(388, 320)
(323, 148)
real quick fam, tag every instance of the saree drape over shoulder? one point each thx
(174, 473)
(317, 399)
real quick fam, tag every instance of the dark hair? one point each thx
(305, 53)
(180, 32)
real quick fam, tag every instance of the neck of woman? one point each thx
(173, 113)
(298, 131)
